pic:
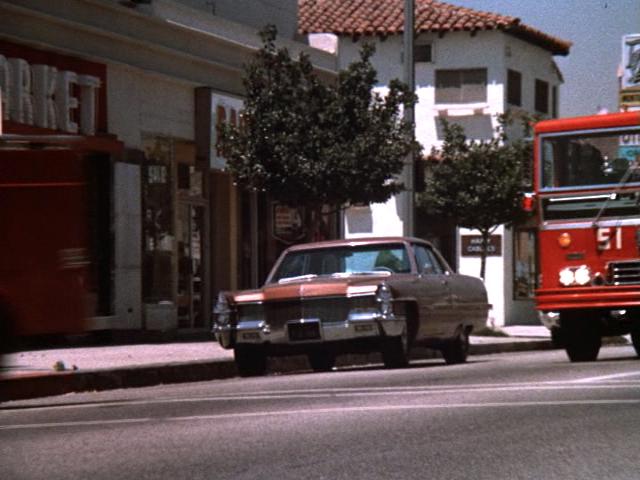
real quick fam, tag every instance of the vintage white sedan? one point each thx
(352, 296)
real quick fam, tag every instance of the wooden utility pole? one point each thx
(409, 115)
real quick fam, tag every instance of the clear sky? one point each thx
(595, 27)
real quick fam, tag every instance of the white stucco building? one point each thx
(470, 66)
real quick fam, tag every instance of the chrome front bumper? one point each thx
(258, 332)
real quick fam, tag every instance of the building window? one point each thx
(542, 96)
(524, 261)
(158, 220)
(514, 88)
(461, 86)
(476, 127)
(422, 53)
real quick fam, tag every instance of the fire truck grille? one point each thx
(624, 273)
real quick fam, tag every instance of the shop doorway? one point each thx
(190, 265)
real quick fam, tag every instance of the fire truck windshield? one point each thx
(588, 160)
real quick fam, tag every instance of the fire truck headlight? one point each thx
(567, 277)
(582, 275)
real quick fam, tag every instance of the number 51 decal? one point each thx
(605, 236)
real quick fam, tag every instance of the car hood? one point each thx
(315, 287)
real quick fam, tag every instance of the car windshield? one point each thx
(343, 260)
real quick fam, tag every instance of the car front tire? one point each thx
(250, 360)
(322, 361)
(395, 351)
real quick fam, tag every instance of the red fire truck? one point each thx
(587, 197)
(43, 245)
(54, 214)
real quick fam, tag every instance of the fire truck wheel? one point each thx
(583, 345)
(7, 337)
(635, 339)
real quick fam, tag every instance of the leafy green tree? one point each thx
(313, 143)
(478, 184)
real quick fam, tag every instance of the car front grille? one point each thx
(327, 310)
(624, 273)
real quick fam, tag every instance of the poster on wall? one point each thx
(287, 223)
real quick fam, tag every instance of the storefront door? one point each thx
(190, 265)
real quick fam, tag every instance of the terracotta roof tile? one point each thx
(385, 17)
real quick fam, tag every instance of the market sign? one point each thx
(472, 245)
(47, 90)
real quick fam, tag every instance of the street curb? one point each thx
(59, 383)
(37, 385)
(523, 346)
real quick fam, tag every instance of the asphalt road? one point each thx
(507, 416)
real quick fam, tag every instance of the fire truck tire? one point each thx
(583, 345)
(635, 339)
(7, 337)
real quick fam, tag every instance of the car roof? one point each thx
(352, 242)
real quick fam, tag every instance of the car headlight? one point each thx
(384, 298)
(222, 311)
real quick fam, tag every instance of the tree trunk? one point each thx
(315, 224)
(483, 252)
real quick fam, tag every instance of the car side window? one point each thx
(435, 261)
(427, 262)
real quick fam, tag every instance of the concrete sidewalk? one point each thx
(39, 373)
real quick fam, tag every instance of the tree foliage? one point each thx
(477, 184)
(308, 142)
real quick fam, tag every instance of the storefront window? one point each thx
(524, 251)
(158, 225)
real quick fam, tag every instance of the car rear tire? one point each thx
(395, 351)
(457, 350)
(251, 361)
(322, 361)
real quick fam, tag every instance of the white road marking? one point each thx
(324, 411)
(353, 392)
(607, 377)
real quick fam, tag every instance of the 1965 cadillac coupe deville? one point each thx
(358, 295)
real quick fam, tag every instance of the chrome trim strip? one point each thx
(584, 197)
(628, 222)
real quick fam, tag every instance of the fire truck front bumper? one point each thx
(605, 297)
